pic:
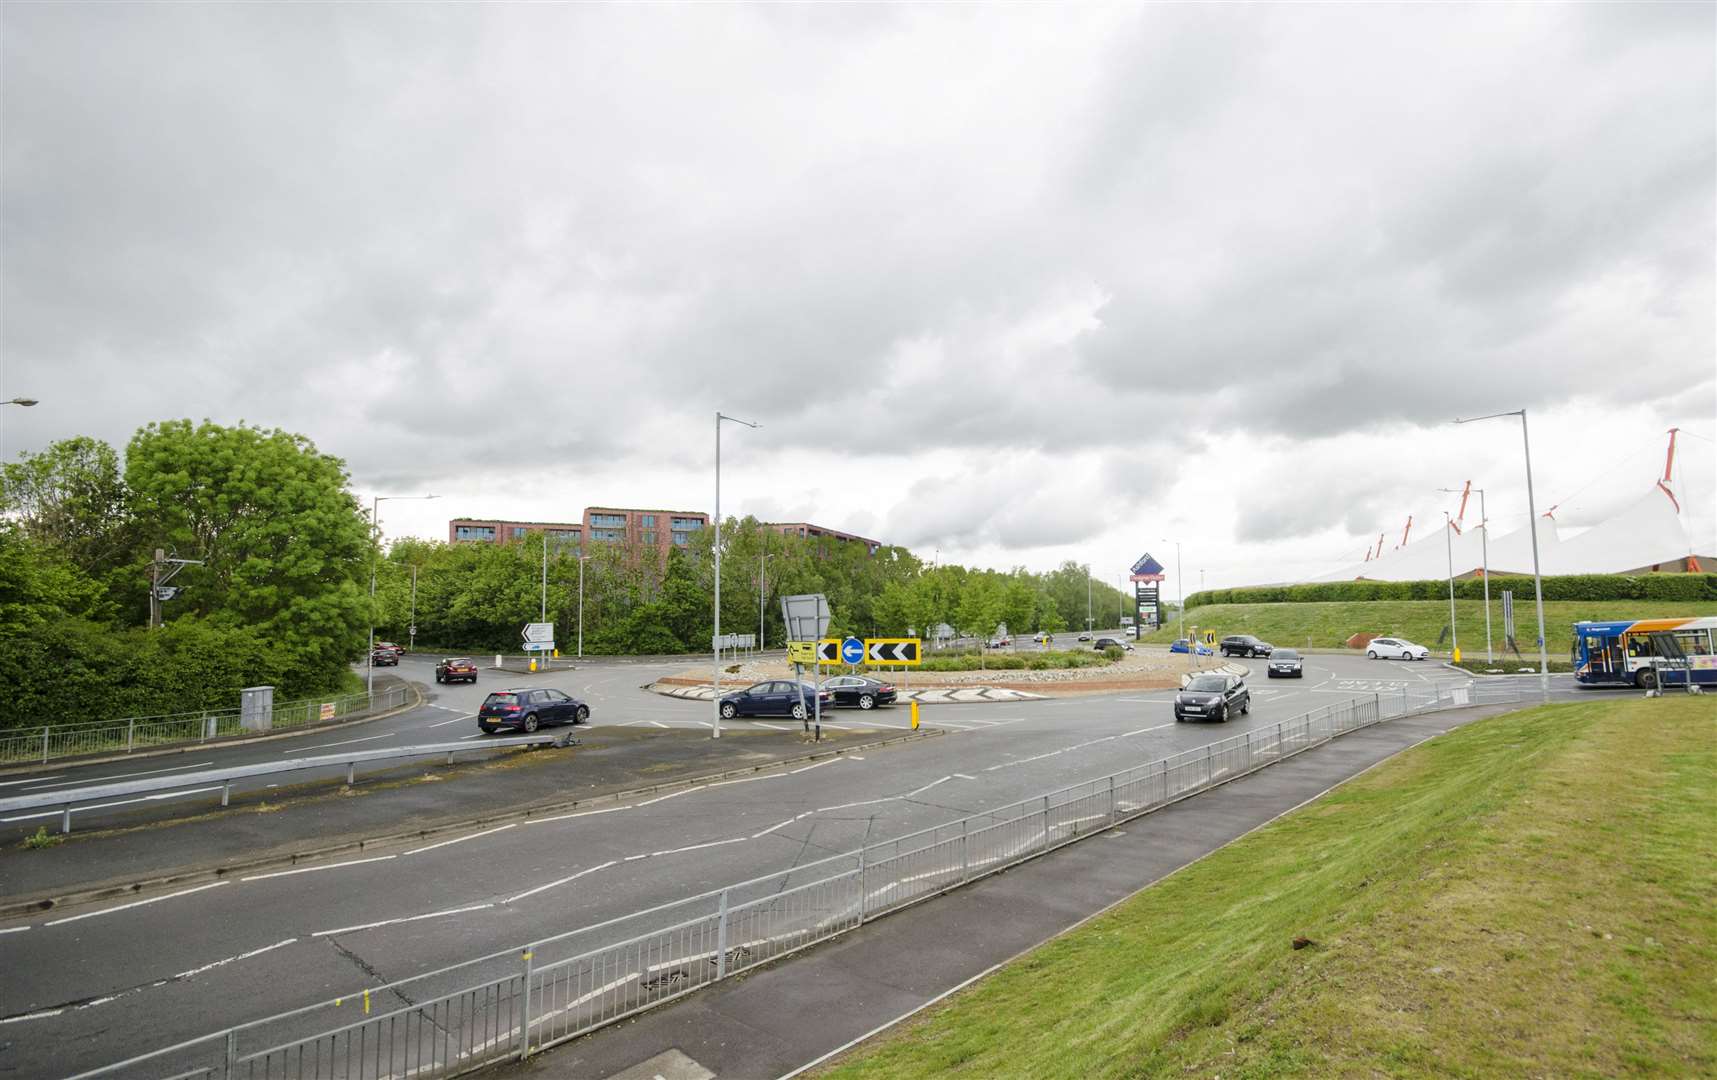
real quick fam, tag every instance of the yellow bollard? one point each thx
(915, 716)
(1457, 655)
(533, 663)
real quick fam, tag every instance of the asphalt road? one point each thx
(105, 982)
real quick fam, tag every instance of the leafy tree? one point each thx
(71, 498)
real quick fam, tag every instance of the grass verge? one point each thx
(1019, 661)
(1328, 624)
(1533, 895)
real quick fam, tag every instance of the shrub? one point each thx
(1113, 652)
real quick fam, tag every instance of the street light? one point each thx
(1180, 592)
(376, 527)
(1449, 548)
(1484, 569)
(1532, 523)
(582, 559)
(761, 560)
(715, 638)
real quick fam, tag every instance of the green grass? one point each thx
(1018, 661)
(1531, 895)
(1329, 624)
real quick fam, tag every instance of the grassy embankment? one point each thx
(1533, 895)
(1328, 624)
(1024, 660)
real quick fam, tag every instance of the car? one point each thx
(1133, 633)
(1111, 643)
(380, 657)
(397, 650)
(1212, 696)
(456, 669)
(1043, 638)
(1182, 645)
(1286, 664)
(860, 691)
(1388, 648)
(528, 709)
(1084, 637)
(777, 697)
(999, 642)
(1245, 645)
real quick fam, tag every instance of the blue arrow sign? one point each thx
(852, 651)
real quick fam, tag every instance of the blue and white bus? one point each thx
(1625, 653)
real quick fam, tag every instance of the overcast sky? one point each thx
(1018, 283)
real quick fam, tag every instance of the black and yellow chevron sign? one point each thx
(829, 651)
(892, 651)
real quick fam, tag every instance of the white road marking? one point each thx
(14, 930)
(342, 742)
(137, 903)
(777, 727)
(818, 765)
(581, 813)
(1147, 700)
(1142, 730)
(963, 776)
(658, 723)
(669, 795)
(635, 858)
(455, 720)
(698, 847)
(82, 780)
(309, 869)
(34, 780)
(231, 959)
(462, 839)
(926, 787)
(119, 802)
(43, 1015)
(562, 881)
(754, 836)
(746, 780)
(473, 735)
(405, 919)
(443, 708)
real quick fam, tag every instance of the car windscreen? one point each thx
(1208, 684)
(501, 699)
(1286, 654)
(459, 660)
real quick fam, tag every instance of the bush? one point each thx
(1113, 652)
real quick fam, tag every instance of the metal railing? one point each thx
(80, 738)
(66, 798)
(510, 1004)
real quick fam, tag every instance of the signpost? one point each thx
(539, 637)
(807, 620)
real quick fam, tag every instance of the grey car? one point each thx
(1212, 696)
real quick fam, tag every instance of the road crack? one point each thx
(370, 969)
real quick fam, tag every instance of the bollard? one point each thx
(226, 793)
(915, 716)
(351, 768)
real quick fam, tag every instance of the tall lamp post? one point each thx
(376, 527)
(1449, 549)
(761, 561)
(582, 559)
(1484, 568)
(1532, 524)
(715, 638)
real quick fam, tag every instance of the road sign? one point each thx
(539, 631)
(802, 652)
(806, 616)
(892, 651)
(539, 646)
(829, 651)
(1210, 637)
(852, 651)
(166, 592)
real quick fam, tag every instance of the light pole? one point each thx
(1484, 569)
(1449, 548)
(582, 559)
(376, 527)
(1087, 598)
(761, 560)
(1532, 524)
(715, 638)
(1180, 594)
(411, 627)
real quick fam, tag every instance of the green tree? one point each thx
(72, 498)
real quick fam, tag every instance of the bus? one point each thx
(1627, 654)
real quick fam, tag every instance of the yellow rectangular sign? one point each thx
(801, 652)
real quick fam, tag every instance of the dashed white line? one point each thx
(746, 780)
(310, 869)
(32, 780)
(455, 720)
(926, 787)
(699, 847)
(462, 839)
(963, 776)
(405, 919)
(1141, 731)
(137, 903)
(754, 836)
(233, 959)
(581, 813)
(658, 723)
(342, 742)
(562, 881)
(818, 765)
(14, 930)
(669, 795)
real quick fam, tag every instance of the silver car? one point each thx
(1389, 648)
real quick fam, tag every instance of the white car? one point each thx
(1389, 648)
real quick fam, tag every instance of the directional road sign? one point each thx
(802, 652)
(829, 651)
(539, 646)
(806, 616)
(892, 651)
(539, 631)
(852, 651)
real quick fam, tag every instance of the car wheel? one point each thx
(1646, 679)
(581, 715)
(798, 712)
(1178, 718)
(728, 710)
(531, 724)
(438, 677)
(1246, 707)
(1221, 717)
(487, 729)
(1372, 653)
(866, 701)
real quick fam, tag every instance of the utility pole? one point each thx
(715, 637)
(411, 627)
(158, 593)
(1087, 598)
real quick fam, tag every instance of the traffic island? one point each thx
(160, 846)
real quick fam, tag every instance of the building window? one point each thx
(650, 537)
(608, 521)
(607, 534)
(564, 538)
(687, 524)
(474, 532)
(681, 539)
(519, 532)
(647, 521)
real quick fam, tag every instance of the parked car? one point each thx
(456, 669)
(380, 657)
(1110, 643)
(1182, 645)
(860, 691)
(1286, 664)
(1245, 645)
(776, 698)
(1212, 696)
(1084, 637)
(529, 709)
(999, 642)
(1388, 648)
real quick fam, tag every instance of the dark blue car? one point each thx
(776, 698)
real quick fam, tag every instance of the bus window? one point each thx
(1694, 642)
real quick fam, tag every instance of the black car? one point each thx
(1245, 645)
(528, 710)
(860, 691)
(1286, 664)
(1111, 643)
(1212, 696)
(778, 698)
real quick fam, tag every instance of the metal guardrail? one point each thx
(510, 1004)
(66, 798)
(75, 738)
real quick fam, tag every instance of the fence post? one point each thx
(45, 728)
(864, 851)
(231, 1065)
(1111, 800)
(1209, 773)
(721, 939)
(1046, 823)
(965, 859)
(525, 1021)
(130, 730)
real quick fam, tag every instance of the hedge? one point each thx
(1690, 587)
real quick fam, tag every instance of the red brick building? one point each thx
(808, 531)
(661, 530)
